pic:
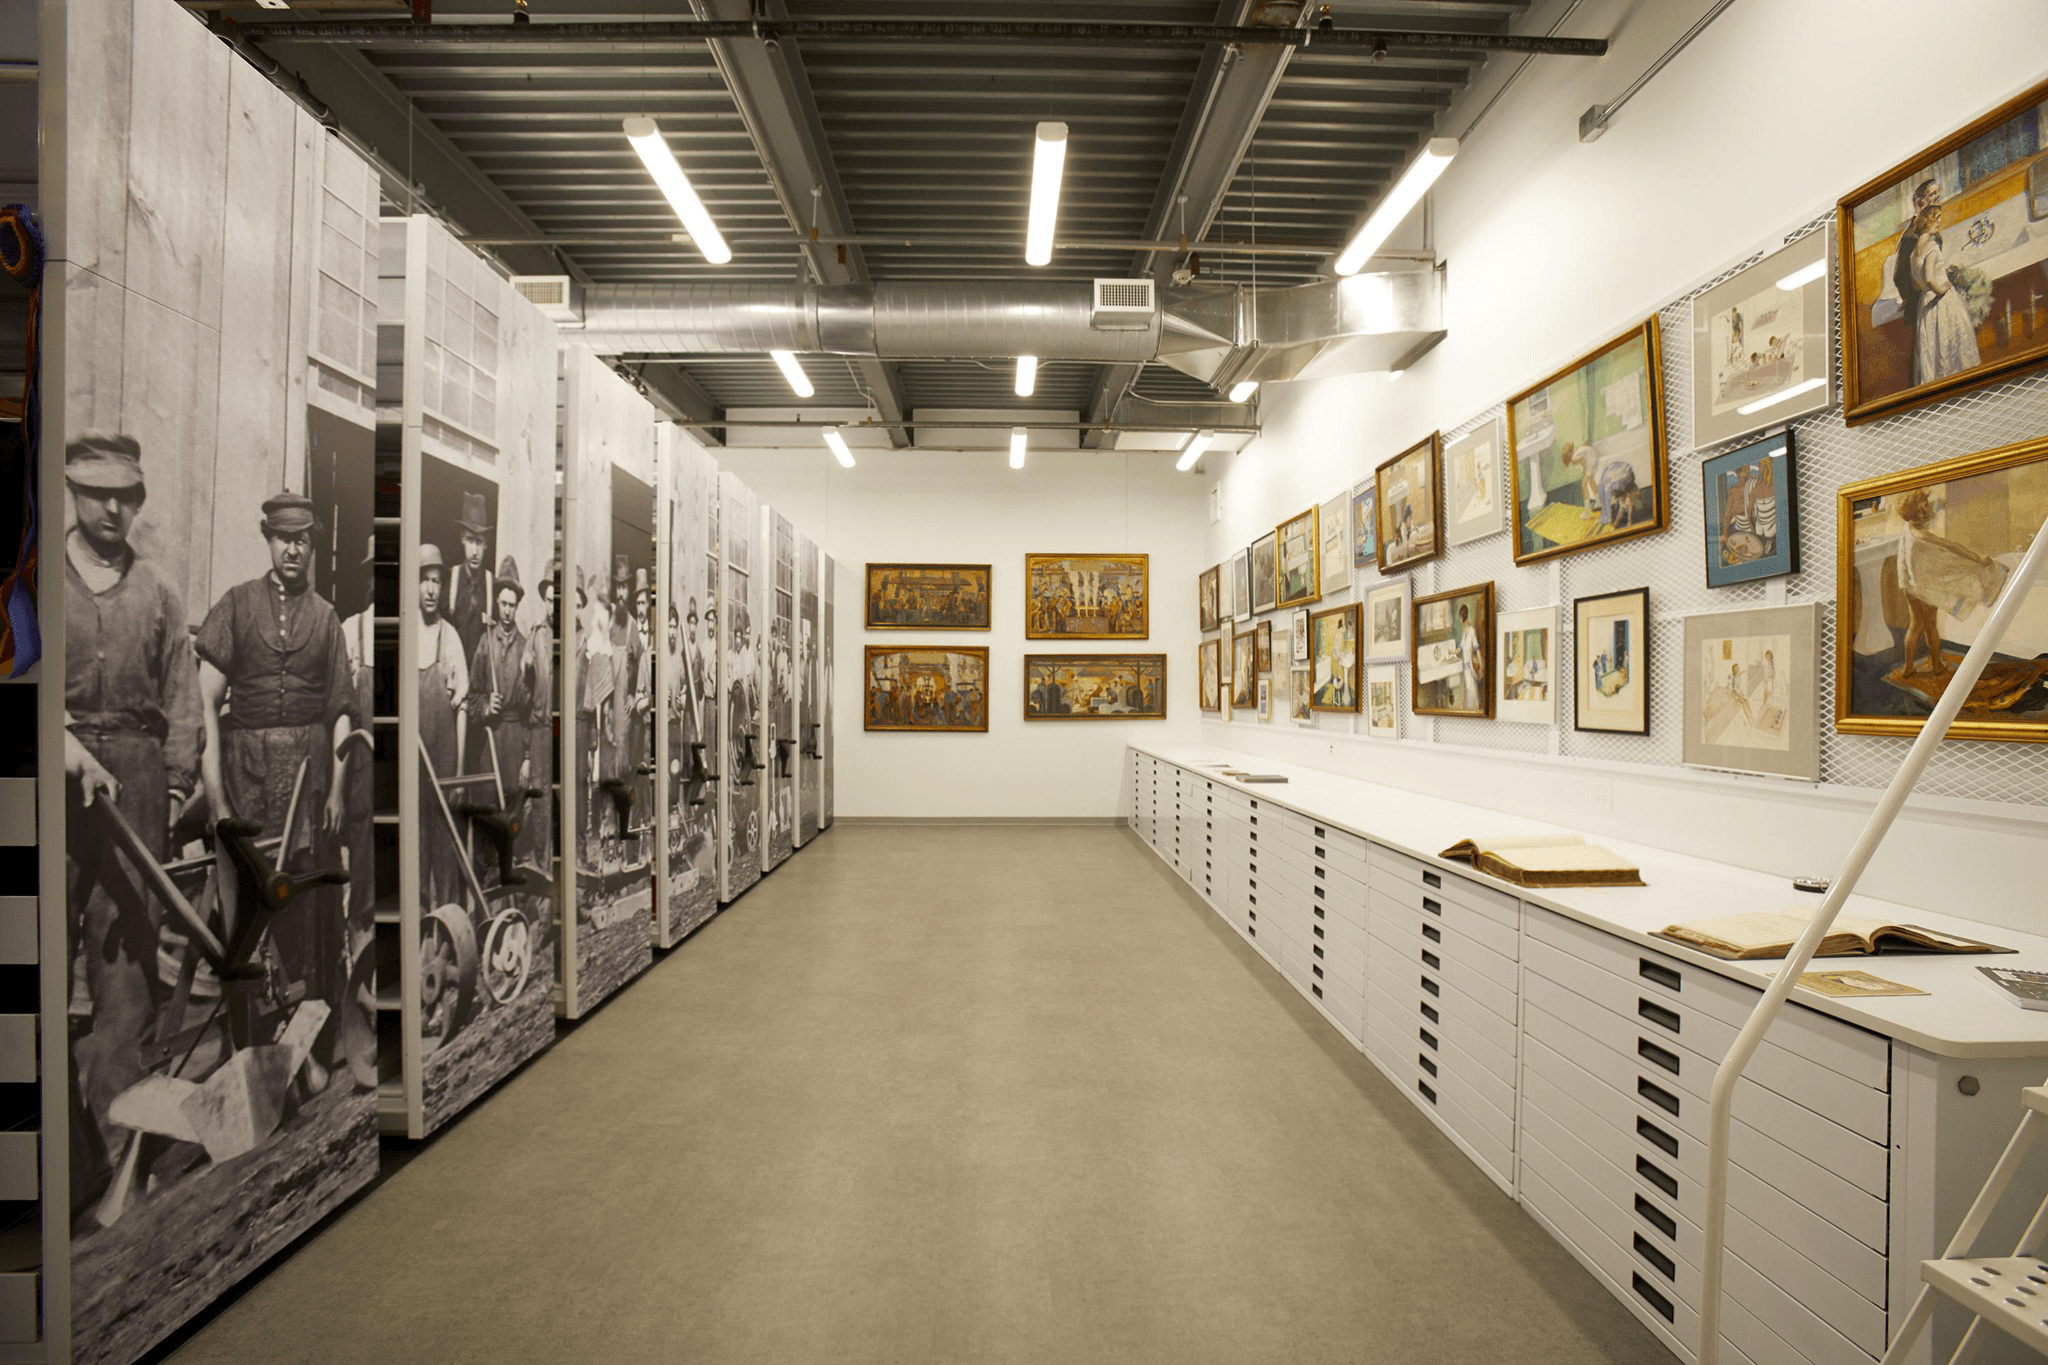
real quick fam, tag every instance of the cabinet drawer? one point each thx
(1339, 962)
(1430, 931)
(1341, 848)
(1326, 927)
(1348, 905)
(1481, 1033)
(1395, 896)
(1428, 877)
(1452, 966)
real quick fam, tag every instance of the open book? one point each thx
(1546, 860)
(1764, 934)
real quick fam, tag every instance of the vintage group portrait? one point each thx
(1087, 597)
(932, 688)
(1094, 686)
(928, 596)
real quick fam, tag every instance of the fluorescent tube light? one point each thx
(1760, 404)
(1406, 194)
(1027, 375)
(1394, 376)
(1243, 389)
(1048, 163)
(785, 361)
(645, 135)
(1017, 439)
(1192, 451)
(838, 444)
(1804, 276)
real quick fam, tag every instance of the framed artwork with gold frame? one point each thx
(1298, 560)
(1263, 633)
(1095, 687)
(1087, 597)
(1209, 675)
(929, 688)
(928, 596)
(1334, 675)
(1450, 653)
(1410, 505)
(1209, 598)
(1244, 670)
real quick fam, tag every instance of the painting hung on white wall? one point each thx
(1752, 512)
(1528, 666)
(1760, 352)
(1298, 637)
(1265, 583)
(1244, 670)
(1209, 670)
(1451, 653)
(1611, 663)
(1751, 693)
(1383, 701)
(1297, 560)
(1333, 524)
(1334, 653)
(1365, 525)
(1410, 513)
(1300, 686)
(1472, 501)
(1241, 585)
(1386, 621)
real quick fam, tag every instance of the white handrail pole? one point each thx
(1752, 1035)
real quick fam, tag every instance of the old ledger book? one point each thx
(1763, 934)
(1546, 860)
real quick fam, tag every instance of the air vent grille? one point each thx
(1123, 305)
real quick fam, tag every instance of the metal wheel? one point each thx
(448, 968)
(508, 956)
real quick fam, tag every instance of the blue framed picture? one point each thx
(1752, 504)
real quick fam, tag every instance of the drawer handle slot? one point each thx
(1428, 1038)
(1320, 933)
(1656, 1217)
(1427, 1064)
(1320, 833)
(1320, 853)
(1657, 1175)
(1317, 989)
(1319, 872)
(1657, 1056)
(1432, 961)
(1316, 948)
(1429, 1013)
(1659, 1262)
(1422, 1088)
(1430, 986)
(1319, 892)
(1657, 1136)
(1649, 1295)
(1667, 977)
(1253, 899)
(1252, 915)
(1433, 881)
(1434, 907)
(1657, 1014)
(1319, 912)
(1657, 1095)
(1432, 933)
(1317, 970)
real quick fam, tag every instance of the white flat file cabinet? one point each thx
(1569, 1055)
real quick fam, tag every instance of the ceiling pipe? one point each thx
(928, 420)
(663, 237)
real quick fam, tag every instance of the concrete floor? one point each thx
(938, 1094)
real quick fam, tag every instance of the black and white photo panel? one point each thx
(610, 822)
(741, 609)
(810, 673)
(214, 511)
(690, 756)
(781, 688)
(831, 619)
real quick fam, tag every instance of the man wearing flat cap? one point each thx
(131, 706)
(466, 597)
(444, 690)
(536, 839)
(501, 693)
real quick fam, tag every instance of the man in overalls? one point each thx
(444, 686)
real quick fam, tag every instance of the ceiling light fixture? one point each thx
(1804, 276)
(785, 361)
(1192, 451)
(1017, 439)
(1760, 404)
(1048, 163)
(645, 135)
(1243, 389)
(1027, 375)
(1394, 376)
(838, 444)
(1406, 194)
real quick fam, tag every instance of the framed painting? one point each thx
(1263, 634)
(1265, 699)
(1586, 451)
(1921, 557)
(1299, 688)
(1297, 650)
(1941, 281)
(928, 596)
(1333, 526)
(1752, 693)
(1244, 670)
(1333, 659)
(1298, 560)
(1209, 670)
(1365, 525)
(1752, 512)
(1450, 653)
(1383, 701)
(1386, 621)
(1762, 350)
(1265, 583)
(1086, 597)
(1410, 515)
(1241, 585)
(1611, 634)
(1528, 667)
(934, 688)
(1209, 598)
(1095, 687)
(1472, 502)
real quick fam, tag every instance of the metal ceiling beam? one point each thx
(680, 396)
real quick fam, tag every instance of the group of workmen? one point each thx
(614, 706)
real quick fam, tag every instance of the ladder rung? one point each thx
(2008, 1292)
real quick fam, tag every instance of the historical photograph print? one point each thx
(810, 680)
(1451, 653)
(1086, 597)
(934, 689)
(1094, 687)
(689, 885)
(928, 596)
(782, 737)
(741, 602)
(1751, 690)
(1334, 659)
(1410, 512)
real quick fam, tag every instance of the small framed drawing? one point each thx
(1095, 687)
(1265, 699)
(1264, 585)
(929, 688)
(1410, 515)
(1297, 652)
(928, 596)
(1299, 688)
(1450, 653)
(1244, 670)
(1298, 564)
(1333, 524)
(1241, 585)
(1263, 634)
(1209, 669)
(1383, 700)
(1472, 503)
(1333, 659)
(1365, 525)
(1528, 667)
(1761, 352)
(1586, 451)
(1386, 621)
(1752, 694)
(1209, 598)
(1611, 662)
(1087, 597)
(1752, 506)
(1922, 556)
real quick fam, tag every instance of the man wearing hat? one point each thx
(466, 596)
(444, 689)
(535, 839)
(501, 693)
(131, 706)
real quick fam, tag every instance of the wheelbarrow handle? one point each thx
(160, 881)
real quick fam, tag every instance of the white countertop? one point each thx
(1961, 1016)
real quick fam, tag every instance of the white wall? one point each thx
(1552, 247)
(970, 507)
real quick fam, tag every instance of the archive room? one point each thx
(1200, 682)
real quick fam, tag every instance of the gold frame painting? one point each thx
(1948, 317)
(1298, 559)
(1095, 686)
(1445, 651)
(920, 718)
(1418, 468)
(1582, 487)
(1209, 598)
(1263, 634)
(1066, 590)
(1921, 557)
(961, 576)
(1209, 675)
(1244, 670)
(1329, 655)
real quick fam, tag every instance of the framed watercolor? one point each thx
(1209, 672)
(1410, 513)
(928, 596)
(1365, 525)
(1921, 556)
(1095, 687)
(1265, 699)
(1244, 670)
(1450, 653)
(1333, 658)
(1299, 688)
(1241, 585)
(1527, 652)
(1752, 691)
(1297, 651)
(1386, 621)
(1263, 634)
(1752, 512)
(1265, 585)
(1087, 597)
(1611, 662)
(1472, 502)
(1586, 451)
(1762, 349)
(931, 688)
(1333, 525)
(1383, 700)
(1298, 560)
(1209, 598)
(1940, 278)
